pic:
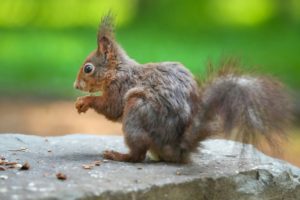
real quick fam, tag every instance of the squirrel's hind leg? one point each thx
(136, 138)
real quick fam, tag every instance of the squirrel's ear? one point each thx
(106, 35)
(104, 46)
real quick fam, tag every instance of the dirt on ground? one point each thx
(52, 118)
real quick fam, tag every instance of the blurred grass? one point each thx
(44, 63)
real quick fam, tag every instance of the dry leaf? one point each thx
(61, 176)
(25, 166)
(97, 162)
(10, 163)
(88, 166)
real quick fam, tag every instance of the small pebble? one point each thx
(18, 165)
(3, 177)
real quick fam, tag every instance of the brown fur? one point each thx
(163, 110)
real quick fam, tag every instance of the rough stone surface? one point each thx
(217, 172)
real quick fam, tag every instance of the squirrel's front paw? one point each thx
(83, 104)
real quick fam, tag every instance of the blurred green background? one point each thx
(44, 42)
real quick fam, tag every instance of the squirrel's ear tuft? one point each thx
(106, 34)
(107, 25)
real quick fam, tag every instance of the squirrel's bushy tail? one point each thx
(243, 106)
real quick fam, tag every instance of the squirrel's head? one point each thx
(97, 67)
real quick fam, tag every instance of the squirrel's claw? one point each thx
(110, 155)
(82, 104)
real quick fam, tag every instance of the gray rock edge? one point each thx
(218, 171)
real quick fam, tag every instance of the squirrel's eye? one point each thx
(88, 68)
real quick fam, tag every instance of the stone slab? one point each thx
(218, 171)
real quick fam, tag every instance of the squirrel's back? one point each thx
(169, 83)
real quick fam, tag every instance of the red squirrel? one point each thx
(165, 111)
